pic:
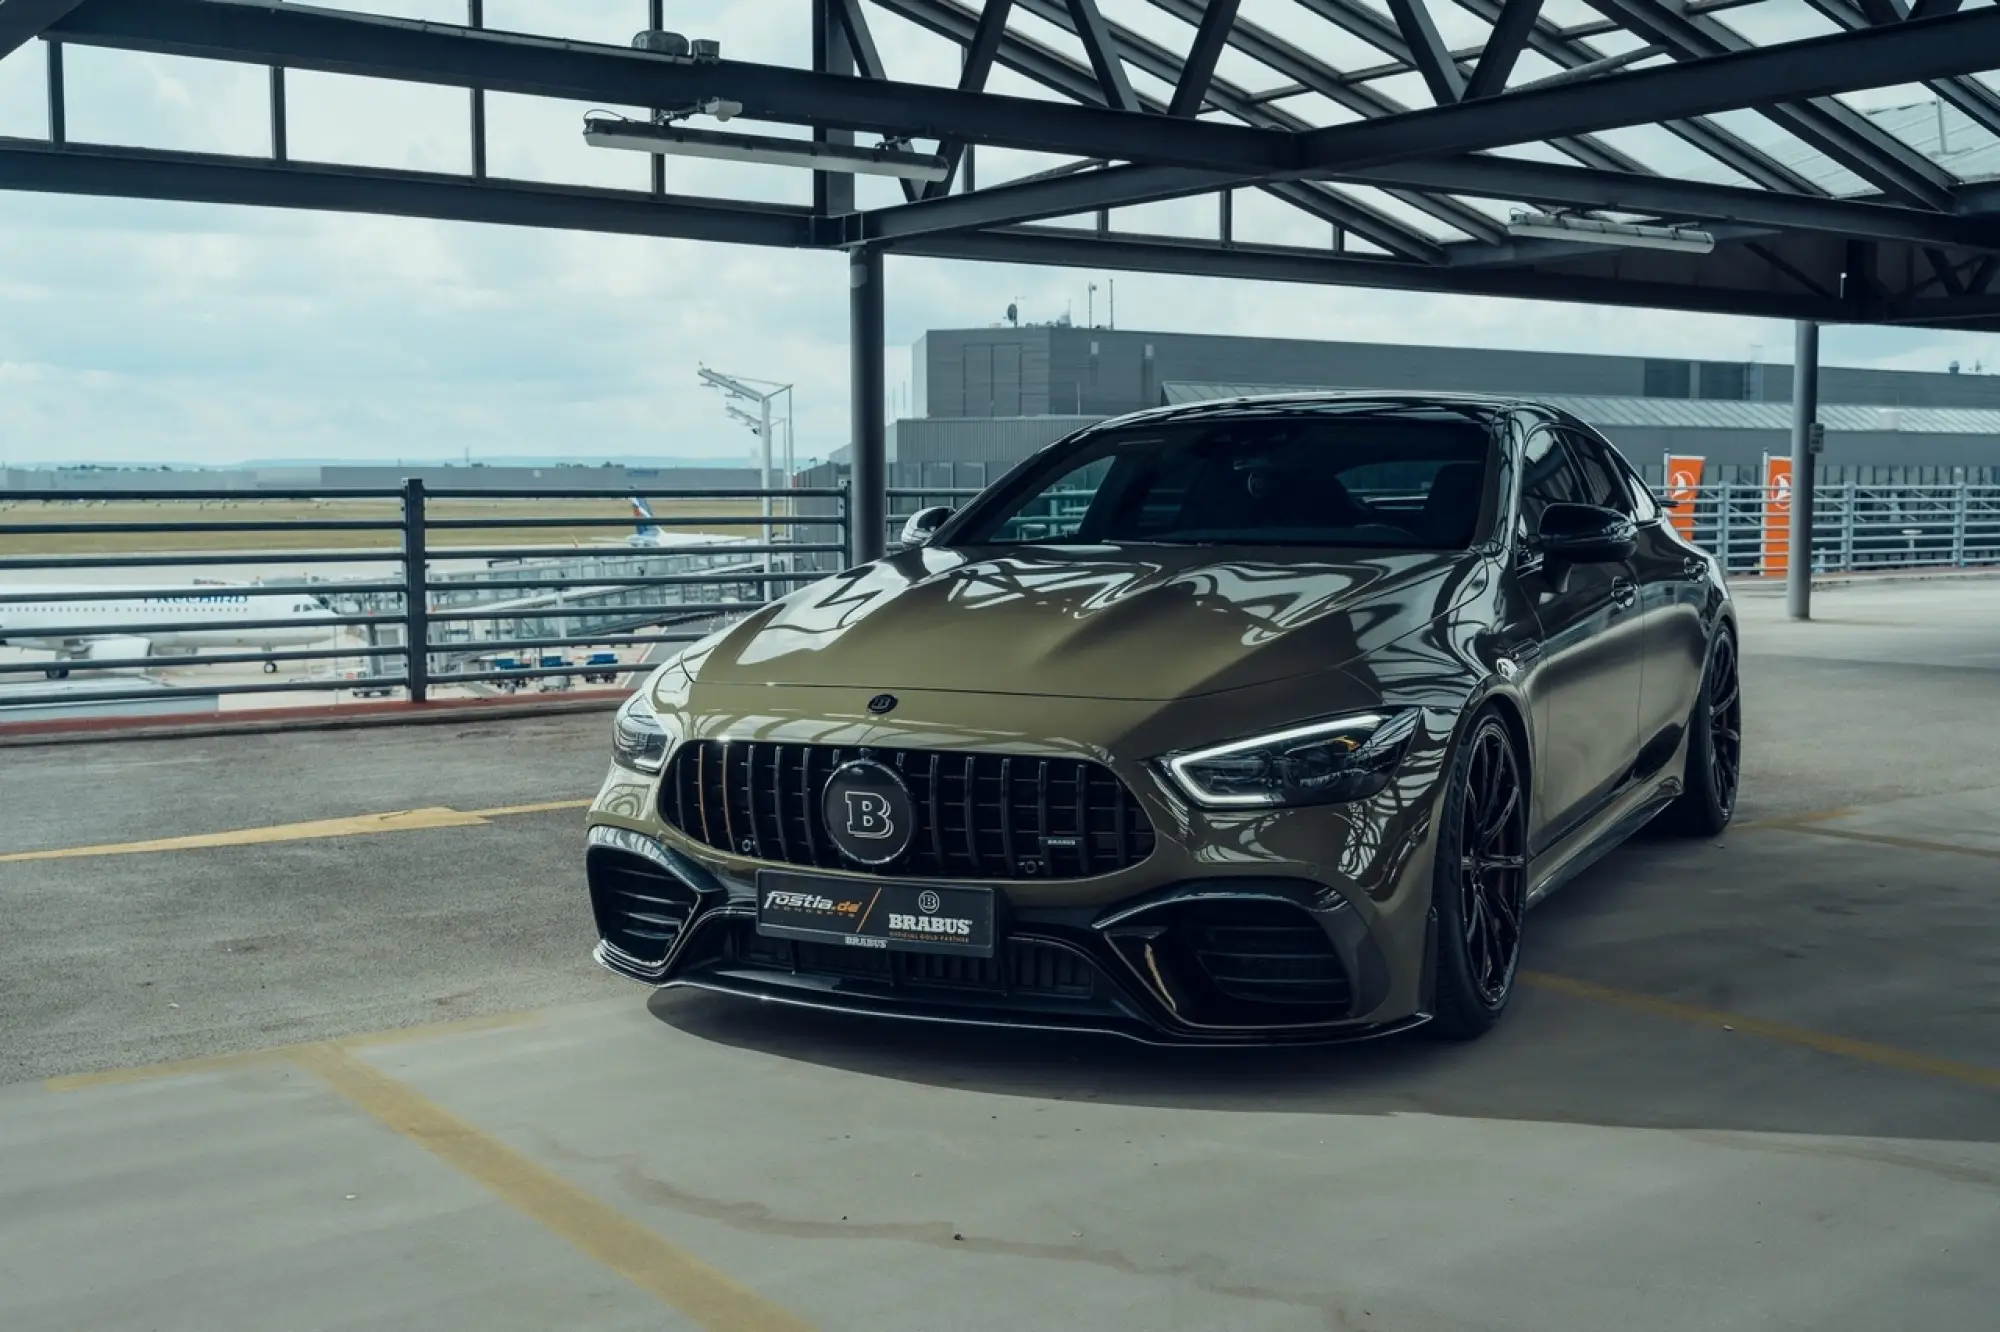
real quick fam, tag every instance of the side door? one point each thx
(1585, 688)
(1673, 589)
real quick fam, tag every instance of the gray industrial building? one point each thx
(986, 398)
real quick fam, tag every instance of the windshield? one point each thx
(1375, 481)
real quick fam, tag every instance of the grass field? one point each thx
(281, 535)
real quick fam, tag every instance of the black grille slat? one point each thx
(933, 810)
(984, 816)
(1268, 952)
(778, 801)
(750, 793)
(971, 821)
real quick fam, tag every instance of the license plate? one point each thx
(903, 917)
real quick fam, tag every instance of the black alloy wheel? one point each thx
(1481, 882)
(1725, 724)
(1714, 747)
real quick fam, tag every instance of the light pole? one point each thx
(762, 392)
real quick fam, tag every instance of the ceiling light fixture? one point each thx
(1597, 231)
(679, 141)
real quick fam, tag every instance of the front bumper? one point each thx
(1215, 960)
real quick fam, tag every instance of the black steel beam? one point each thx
(1563, 48)
(867, 60)
(1835, 129)
(1555, 185)
(1162, 64)
(1210, 37)
(30, 164)
(375, 47)
(979, 55)
(1980, 103)
(1057, 72)
(1478, 175)
(1815, 67)
(21, 21)
(1503, 47)
(1314, 75)
(1072, 249)
(1088, 23)
(1428, 51)
(1924, 9)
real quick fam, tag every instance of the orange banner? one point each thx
(1683, 489)
(1777, 514)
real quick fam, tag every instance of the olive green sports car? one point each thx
(1256, 720)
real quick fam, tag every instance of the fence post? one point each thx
(1722, 524)
(1960, 503)
(1847, 529)
(416, 597)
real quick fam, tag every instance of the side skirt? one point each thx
(1590, 845)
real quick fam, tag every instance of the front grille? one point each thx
(1021, 966)
(640, 907)
(983, 816)
(1266, 952)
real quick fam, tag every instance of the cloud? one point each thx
(169, 332)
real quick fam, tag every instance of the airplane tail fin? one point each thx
(645, 516)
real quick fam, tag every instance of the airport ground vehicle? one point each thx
(1247, 721)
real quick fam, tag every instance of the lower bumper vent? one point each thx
(641, 908)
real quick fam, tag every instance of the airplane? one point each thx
(649, 535)
(214, 616)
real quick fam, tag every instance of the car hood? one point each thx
(1146, 623)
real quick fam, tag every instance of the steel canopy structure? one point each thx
(1817, 211)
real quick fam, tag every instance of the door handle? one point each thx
(1624, 593)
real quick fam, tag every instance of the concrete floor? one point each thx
(1751, 1083)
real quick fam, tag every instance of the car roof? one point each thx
(1484, 406)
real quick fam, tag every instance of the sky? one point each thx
(171, 333)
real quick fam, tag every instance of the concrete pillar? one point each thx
(869, 476)
(1805, 410)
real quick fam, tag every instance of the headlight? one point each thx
(640, 737)
(1349, 758)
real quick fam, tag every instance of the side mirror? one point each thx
(1585, 534)
(923, 525)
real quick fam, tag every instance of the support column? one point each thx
(1805, 411)
(868, 512)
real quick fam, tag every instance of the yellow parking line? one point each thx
(709, 1298)
(1888, 1056)
(178, 1068)
(1910, 843)
(359, 825)
(1794, 820)
(546, 807)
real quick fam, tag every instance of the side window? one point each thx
(1548, 476)
(1603, 484)
(1645, 505)
(1059, 510)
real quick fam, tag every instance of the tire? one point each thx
(1479, 885)
(1714, 775)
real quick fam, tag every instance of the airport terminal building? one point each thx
(985, 398)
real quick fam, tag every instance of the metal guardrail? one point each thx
(543, 600)
(1857, 527)
(540, 599)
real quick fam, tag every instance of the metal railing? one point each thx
(1857, 527)
(417, 613)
